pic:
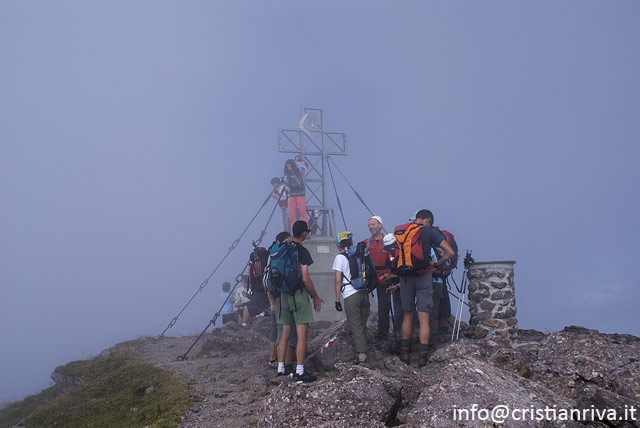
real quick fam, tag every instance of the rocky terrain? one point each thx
(232, 384)
(575, 368)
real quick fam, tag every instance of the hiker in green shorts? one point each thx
(295, 310)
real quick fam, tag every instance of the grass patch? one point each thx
(112, 394)
(202, 369)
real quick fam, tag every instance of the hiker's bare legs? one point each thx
(272, 351)
(301, 348)
(282, 346)
(291, 352)
(423, 317)
(407, 325)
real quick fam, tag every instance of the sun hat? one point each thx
(377, 218)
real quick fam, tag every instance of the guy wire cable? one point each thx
(238, 281)
(354, 190)
(233, 246)
(337, 197)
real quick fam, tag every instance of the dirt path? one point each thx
(227, 370)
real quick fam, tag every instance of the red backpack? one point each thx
(411, 261)
(445, 270)
(258, 261)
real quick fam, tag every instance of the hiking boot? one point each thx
(394, 349)
(404, 355)
(305, 377)
(445, 336)
(358, 362)
(423, 357)
(284, 374)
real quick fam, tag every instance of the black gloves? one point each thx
(338, 306)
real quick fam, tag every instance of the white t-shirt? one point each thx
(341, 264)
(241, 296)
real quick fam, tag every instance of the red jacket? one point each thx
(379, 256)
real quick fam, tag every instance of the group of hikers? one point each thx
(406, 270)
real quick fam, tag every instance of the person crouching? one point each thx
(356, 302)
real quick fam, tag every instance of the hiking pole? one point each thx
(468, 260)
(457, 288)
(457, 297)
(455, 333)
(393, 318)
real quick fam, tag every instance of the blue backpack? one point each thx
(282, 274)
(361, 268)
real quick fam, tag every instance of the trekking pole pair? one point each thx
(468, 260)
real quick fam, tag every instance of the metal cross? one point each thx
(314, 144)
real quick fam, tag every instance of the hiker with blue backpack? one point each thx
(288, 274)
(276, 329)
(354, 279)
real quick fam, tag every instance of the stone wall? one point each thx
(492, 301)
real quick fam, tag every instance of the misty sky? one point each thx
(138, 138)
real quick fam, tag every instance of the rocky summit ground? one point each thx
(233, 385)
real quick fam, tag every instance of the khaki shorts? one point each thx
(296, 309)
(416, 293)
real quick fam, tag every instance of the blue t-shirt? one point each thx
(435, 259)
(228, 306)
(430, 236)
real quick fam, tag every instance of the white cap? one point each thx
(377, 218)
(414, 216)
(388, 239)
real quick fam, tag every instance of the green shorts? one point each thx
(299, 313)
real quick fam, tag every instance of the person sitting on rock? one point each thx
(356, 302)
(227, 308)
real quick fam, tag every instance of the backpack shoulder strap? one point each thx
(342, 285)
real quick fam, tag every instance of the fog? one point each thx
(138, 138)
